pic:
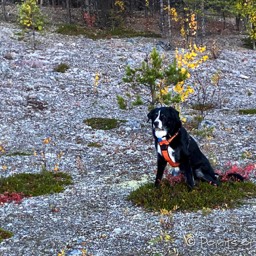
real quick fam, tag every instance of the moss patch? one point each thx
(251, 111)
(203, 107)
(94, 145)
(71, 30)
(5, 234)
(17, 153)
(121, 102)
(93, 33)
(120, 32)
(61, 68)
(247, 43)
(177, 197)
(35, 184)
(103, 123)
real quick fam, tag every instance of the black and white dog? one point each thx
(175, 146)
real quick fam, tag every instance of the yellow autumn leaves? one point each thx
(120, 4)
(173, 13)
(2, 151)
(167, 82)
(186, 61)
(30, 15)
(192, 58)
(247, 9)
(183, 91)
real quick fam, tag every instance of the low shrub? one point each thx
(94, 145)
(62, 68)
(70, 30)
(138, 101)
(35, 184)
(5, 234)
(121, 102)
(178, 197)
(250, 111)
(103, 123)
(94, 33)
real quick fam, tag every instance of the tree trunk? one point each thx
(169, 23)
(104, 7)
(224, 20)
(86, 6)
(238, 21)
(162, 17)
(253, 40)
(68, 10)
(202, 22)
(4, 10)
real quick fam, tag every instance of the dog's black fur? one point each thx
(193, 163)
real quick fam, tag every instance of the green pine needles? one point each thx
(158, 77)
(30, 17)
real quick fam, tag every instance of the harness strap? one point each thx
(164, 149)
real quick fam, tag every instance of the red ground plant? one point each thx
(246, 172)
(11, 197)
(230, 172)
(174, 179)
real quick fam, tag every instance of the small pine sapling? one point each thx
(30, 17)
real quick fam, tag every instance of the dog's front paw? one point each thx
(190, 182)
(190, 187)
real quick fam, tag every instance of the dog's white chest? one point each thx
(170, 152)
(160, 134)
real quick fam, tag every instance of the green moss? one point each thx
(94, 145)
(35, 184)
(18, 153)
(5, 234)
(70, 30)
(251, 111)
(229, 194)
(121, 102)
(62, 68)
(203, 107)
(103, 123)
(247, 43)
(138, 101)
(93, 33)
(121, 32)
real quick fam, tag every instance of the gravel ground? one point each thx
(93, 213)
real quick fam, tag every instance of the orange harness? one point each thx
(164, 149)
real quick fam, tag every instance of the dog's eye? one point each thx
(162, 117)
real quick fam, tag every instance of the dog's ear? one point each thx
(175, 112)
(175, 115)
(151, 114)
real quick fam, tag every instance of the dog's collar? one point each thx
(170, 139)
(164, 149)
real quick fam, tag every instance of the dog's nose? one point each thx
(156, 123)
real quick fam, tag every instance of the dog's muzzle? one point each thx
(156, 124)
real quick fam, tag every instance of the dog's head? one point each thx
(165, 121)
